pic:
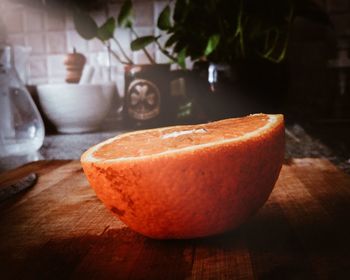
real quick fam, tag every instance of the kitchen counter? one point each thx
(60, 230)
(299, 144)
(59, 227)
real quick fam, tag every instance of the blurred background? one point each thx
(276, 58)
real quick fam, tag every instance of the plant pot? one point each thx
(224, 91)
(153, 95)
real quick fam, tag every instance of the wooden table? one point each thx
(59, 229)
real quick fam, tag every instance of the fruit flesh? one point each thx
(157, 141)
(190, 193)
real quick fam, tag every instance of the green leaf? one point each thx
(212, 44)
(124, 17)
(181, 43)
(164, 22)
(181, 58)
(85, 25)
(171, 41)
(181, 10)
(106, 31)
(142, 42)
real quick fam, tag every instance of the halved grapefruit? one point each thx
(188, 181)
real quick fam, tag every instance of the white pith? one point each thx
(88, 155)
(182, 132)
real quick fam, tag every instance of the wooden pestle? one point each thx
(74, 63)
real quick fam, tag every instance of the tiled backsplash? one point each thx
(52, 36)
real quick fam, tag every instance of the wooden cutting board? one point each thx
(59, 229)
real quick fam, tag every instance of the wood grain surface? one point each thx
(58, 229)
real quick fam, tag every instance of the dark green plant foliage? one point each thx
(106, 31)
(85, 25)
(212, 44)
(181, 58)
(181, 7)
(164, 22)
(241, 28)
(142, 42)
(88, 29)
(171, 41)
(218, 30)
(124, 17)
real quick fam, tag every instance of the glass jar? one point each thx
(21, 126)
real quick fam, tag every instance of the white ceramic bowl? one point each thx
(75, 108)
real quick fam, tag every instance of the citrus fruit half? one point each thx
(188, 181)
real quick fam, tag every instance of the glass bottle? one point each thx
(21, 126)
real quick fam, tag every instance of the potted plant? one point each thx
(224, 31)
(224, 38)
(147, 100)
(237, 45)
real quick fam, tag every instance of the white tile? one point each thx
(37, 81)
(95, 45)
(124, 38)
(37, 67)
(52, 36)
(56, 67)
(21, 56)
(143, 13)
(56, 42)
(114, 59)
(34, 20)
(98, 59)
(101, 59)
(75, 41)
(16, 39)
(36, 42)
(57, 80)
(13, 20)
(69, 22)
(144, 31)
(161, 58)
(140, 57)
(55, 22)
(91, 59)
(119, 78)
